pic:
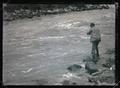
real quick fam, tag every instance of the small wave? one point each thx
(84, 37)
(31, 55)
(62, 37)
(52, 37)
(64, 25)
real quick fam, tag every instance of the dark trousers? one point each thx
(95, 50)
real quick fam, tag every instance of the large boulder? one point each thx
(91, 67)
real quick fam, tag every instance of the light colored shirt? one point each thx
(95, 34)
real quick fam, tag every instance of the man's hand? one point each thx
(89, 32)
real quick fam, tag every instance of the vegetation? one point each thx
(20, 11)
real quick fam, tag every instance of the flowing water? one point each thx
(42, 48)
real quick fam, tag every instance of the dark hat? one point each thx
(92, 24)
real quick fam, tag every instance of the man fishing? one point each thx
(95, 38)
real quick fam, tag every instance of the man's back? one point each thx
(94, 39)
(95, 34)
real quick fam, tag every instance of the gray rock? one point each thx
(74, 83)
(91, 67)
(66, 82)
(74, 68)
(107, 65)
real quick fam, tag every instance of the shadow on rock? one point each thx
(91, 67)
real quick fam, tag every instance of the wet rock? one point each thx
(91, 67)
(107, 76)
(107, 79)
(107, 65)
(98, 73)
(101, 79)
(74, 83)
(66, 82)
(74, 68)
(93, 80)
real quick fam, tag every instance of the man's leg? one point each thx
(97, 48)
(93, 50)
(95, 59)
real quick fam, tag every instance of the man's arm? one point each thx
(89, 32)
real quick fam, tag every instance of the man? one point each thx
(95, 38)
